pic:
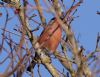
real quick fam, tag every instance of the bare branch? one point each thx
(40, 12)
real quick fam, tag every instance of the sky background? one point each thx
(86, 27)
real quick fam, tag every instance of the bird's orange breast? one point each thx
(51, 36)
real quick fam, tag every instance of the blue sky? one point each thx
(88, 24)
(86, 27)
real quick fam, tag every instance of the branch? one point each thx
(66, 63)
(57, 7)
(46, 61)
(40, 11)
(43, 57)
(16, 67)
(68, 12)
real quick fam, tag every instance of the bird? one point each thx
(51, 36)
(49, 39)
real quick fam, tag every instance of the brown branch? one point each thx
(72, 40)
(68, 12)
(15, 68)
(42, 56)
(40, 11)
(13, 33)
(57, 7)
(66, 63)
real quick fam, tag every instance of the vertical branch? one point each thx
(40, 11)
(57, 7)
(66, 63)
